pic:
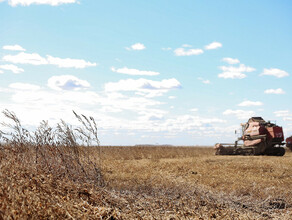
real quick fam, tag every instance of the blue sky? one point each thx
(150, 72)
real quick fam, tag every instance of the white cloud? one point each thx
(25, 58)
(153, 115)
(213, 45)
(240, 114)
(166, 48)
(240, 68)
(134, 72)
(58, 103)
(274, 72)
(12, 68)
(183, 123)
(69, 63)
(24, 86)
(205, 81)
(230, 60)
(232, 75)
(15, 47)
(137, 46)
(172, 97)
(115, 102)
(143, 87)
(32, 106)
(114, 112)
(250, 103)
(184, 52)
(232, 72)
(186, 45)
(283, 113)
(194, 110)
(39, 2)
(36, 59)
(67, 82)
(275, 91)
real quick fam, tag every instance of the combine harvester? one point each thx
(259, 138)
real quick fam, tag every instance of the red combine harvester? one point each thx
(259, 138)
(289, 142)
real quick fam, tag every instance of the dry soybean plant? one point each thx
(59, 151)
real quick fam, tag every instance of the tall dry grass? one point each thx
(58, 151)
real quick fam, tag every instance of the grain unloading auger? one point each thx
(259, 138)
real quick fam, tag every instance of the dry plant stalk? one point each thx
(58, 150)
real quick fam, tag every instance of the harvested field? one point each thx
(147, 183)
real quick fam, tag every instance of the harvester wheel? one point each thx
(281, 151)
(275, 151)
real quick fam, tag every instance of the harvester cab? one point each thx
(259, 138)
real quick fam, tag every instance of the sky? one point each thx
(150, 72)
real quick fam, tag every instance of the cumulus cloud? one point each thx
(134, 72)
(274, 72)
(240, 68)
(144, 86)
(12, 68)
(24, 86)
(114, 111)
(69, 63)
(67, 82)
(240, 114)
(55, 103)
(232, 75)
(205, 81)
(25, 58)
(250, 103)
(182, 123)
(187, 52)
(275, 91)
(172, 97)
(143, 114)
(15, 47)
(166, 48)
(186, 45)
(137, 46)
(285, 114)
(213, 45)
(230, 60)
(39, 2)
(232, 72)
(36, 59)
